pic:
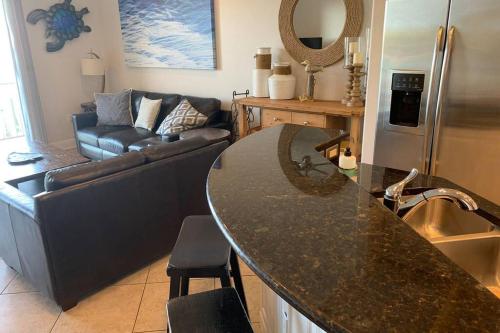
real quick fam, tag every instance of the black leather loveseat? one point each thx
(97, 222)
(103, 142)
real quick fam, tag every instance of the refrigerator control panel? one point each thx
(406, 99)
(408, 82)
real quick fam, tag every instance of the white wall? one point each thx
(58, 74)
(242, 26)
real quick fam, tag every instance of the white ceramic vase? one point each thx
(282, 86)
(260, 81)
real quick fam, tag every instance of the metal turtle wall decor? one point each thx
(64, 23)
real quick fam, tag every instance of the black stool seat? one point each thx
(211, 312)
(200, 245)
(201, 251)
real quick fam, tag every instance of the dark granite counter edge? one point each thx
(276, 287)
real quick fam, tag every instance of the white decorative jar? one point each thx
(282, 82)
(262, 72)
(260, 82)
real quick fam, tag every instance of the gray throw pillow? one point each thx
(184, 117)
(114, 109)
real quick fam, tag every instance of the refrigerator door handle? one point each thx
(443, 87)
(430, 100)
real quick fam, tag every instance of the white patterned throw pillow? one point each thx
(184, 117)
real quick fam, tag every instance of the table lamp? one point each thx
(94, 66)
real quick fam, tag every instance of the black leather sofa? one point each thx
(103, 142)
(95, 223)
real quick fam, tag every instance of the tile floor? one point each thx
(134, 304)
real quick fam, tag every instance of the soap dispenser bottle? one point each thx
(347, 161)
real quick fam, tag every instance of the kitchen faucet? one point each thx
(404, 209)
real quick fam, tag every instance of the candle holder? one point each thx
(356, 100)
(348, 66)
(351, 46)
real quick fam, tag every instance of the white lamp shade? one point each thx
(92, 67)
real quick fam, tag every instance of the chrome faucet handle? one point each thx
(396, 190)
(392, 196)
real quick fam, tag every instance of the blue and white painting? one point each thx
(168, 33)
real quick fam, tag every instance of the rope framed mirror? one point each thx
(325, 56)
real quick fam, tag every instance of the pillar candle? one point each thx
(353, 47)
(357, 59)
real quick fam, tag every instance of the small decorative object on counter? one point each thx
(282, 83)
(311, 80)
(346, 160)
(262, 72)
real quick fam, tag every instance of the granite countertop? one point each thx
(329, 248)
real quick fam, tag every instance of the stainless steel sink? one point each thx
(469, 240)
(441, 218)
(479, 255)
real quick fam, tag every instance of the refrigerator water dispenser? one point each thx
(406, 99)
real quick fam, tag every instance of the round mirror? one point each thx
(319, 23)
(296, 18)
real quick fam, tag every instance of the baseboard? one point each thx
(64, 144)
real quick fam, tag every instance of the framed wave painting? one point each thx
(168, 33)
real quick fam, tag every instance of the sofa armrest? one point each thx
(17, 199)
(159, 152)
(83, 120)
(171, 137)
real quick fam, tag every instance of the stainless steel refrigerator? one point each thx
(439, 108)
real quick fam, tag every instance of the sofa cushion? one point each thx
(210, 107)
(89, 135)
(72, 175)
(183, 118)
(118, 142)
(114, 109)
(159, 152)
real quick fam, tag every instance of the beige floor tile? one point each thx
(152, 314)
(253, 293)
(157, 272)
(201, 285)
(27, 312)
(245, 270)
(256, 328)
(19, 285)
(138, 277)
(113, 309)
(6, 275)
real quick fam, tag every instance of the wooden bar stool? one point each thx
(212, 312)
(201, 251)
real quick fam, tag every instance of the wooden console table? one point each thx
(324, 114)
